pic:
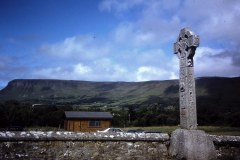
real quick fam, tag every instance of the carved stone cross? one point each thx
(185, 47)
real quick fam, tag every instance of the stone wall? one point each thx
(70, 145)
(227, 147)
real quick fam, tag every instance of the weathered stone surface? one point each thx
(191, 145)
(226, 140)
(185, 47)
(73, 145)
(227, 147)
(83, 136)
(82, 150)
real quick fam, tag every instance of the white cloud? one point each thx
(51, 73)
(213, 19)
(145, 73)
(136, 47)
(106, 69)
(133, 50)
(164, 18)
(215, 66)
(147, 31)
(206, 51)
(213, 62)
(131, 35)
(77, 47)
(119, 6)
(80, 69)
(123, 32)
(101, 70)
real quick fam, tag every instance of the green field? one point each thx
(213, 130)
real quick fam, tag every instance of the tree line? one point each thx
(14, 113)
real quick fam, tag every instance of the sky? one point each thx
(115, 40)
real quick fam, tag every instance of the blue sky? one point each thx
(115, 40)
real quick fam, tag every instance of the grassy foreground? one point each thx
(213, 130)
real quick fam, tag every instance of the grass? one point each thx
(165, 129)
(213, 130)
(221, 130)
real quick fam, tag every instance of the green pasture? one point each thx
(213, 130)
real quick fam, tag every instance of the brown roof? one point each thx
(88, 115)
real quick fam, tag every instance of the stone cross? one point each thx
(185, 47)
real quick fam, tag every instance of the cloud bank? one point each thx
(139, 48)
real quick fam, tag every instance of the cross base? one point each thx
(191, 145)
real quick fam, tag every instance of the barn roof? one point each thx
(88, 115)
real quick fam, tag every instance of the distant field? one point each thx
(213, 130)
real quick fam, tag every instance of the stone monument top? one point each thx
(186, 40)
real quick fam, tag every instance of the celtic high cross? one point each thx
(185, 47)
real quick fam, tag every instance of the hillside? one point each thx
(116, 93)
(84, 92)
(149, 103)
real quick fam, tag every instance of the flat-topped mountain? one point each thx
(116, 93)
(42, 102)
(63, 91)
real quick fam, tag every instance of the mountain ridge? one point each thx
(38, 89)
(150, 103)
(113, 93)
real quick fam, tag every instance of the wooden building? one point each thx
(87, 121)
